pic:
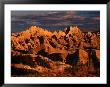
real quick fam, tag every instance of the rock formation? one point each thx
(40, 52)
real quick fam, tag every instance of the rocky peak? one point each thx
(53, 48)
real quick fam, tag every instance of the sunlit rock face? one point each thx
(40, 52)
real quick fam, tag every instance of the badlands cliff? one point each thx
(69, 52)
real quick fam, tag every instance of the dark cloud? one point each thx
(96, 18)
(55, 19)
(61, 15)
(79, 17)
(37, 13)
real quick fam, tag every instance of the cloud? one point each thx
(53, 12)
(79, 17)
(96, 18)
(31, 13)
(61, 16)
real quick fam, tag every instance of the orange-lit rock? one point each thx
(98, 54)
(83, 56)
(54, 53)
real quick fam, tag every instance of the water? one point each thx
(55, 20)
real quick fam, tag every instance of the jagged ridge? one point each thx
(40, 47)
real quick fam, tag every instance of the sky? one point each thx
(55, 20)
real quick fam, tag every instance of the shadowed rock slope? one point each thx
(40, 52)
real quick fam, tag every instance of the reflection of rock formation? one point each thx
(45, 51)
